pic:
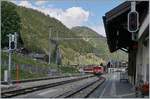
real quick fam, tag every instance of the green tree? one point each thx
(10, 22)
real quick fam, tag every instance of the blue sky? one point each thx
(74, 12)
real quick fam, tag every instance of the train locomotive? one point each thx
(96, 70)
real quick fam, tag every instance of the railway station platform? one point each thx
(114, 88)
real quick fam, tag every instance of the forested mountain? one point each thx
(34, 29)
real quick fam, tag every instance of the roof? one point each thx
(37, 55)
(115, 23)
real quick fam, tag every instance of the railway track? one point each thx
(83, 91)
(12, 93)
(38, 79)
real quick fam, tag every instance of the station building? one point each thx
(119, 38)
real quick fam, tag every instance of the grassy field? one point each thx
(19, 59)
(22, 74)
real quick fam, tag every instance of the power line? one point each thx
(56, 38)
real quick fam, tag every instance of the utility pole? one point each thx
(9, 61)
(49, 61)
(57, 55)
(57, 50)
(16, 35)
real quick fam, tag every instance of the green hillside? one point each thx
(34, 28)
(99, 43)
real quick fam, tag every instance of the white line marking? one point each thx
(113, 89)
(48, 91)
(126, 94)
(114, 85)
(105, 89)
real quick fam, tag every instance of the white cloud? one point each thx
(71, 17)
(74, 16)
(14, 1)
(40, 2)
(99, 29)
(25, 3)
(28, 4)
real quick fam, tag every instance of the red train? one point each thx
(94, 69)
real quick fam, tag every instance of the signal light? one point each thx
(133, 21)
(12, 46)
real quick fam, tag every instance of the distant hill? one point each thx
(93, 38)
(99, 43)
(34, 28)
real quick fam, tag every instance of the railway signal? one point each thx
(133, 18)
(12, 41)
(133, 21)
(12, 47)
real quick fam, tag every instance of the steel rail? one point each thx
(16, 92)
(38, 79)
(71, 93)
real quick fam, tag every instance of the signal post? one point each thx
(12, 47)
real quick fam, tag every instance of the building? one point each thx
(118, 37)
(38, 56)
(142, 58)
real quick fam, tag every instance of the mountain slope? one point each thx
(35, 33)
(34, 30)
(99, 43)
(92, 37)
